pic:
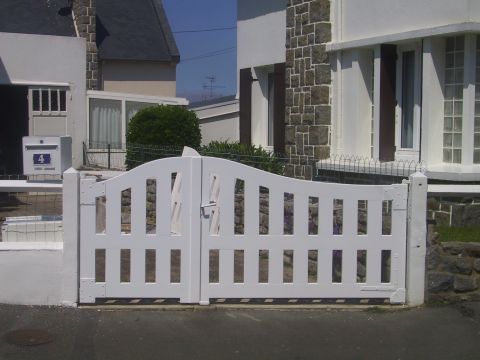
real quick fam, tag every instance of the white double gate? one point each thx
(182, 234)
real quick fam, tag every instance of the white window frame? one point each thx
(123, 97)
(408, 153)
(50, 89)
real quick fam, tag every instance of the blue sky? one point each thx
(187, 15)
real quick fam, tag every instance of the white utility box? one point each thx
(46, 155)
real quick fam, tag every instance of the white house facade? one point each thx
(48, 85)
(261, 72)
(406, 83)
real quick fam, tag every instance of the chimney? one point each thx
(84, 14)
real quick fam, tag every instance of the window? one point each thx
(109, 114)
(408, 97)
(476, 136)
(271, 102)
(453, 103)
(105, 123)
(132, 107)
(49, 101)
(372, 107)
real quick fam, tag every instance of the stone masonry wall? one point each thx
(452, 270)
(84, 12)
(308, 81)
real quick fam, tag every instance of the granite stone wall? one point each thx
(452, 270)
(84, 12)
(308, 85)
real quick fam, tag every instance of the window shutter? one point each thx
(388, 59)
(279, 108)
(246, 106)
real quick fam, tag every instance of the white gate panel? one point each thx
(175, 230)
(275, 254)
(326, 243)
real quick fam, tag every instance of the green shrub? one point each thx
(163, 125)
(247, 154)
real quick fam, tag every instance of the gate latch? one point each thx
(210, 204)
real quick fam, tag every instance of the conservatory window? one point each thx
(105, 123)
(476, 138)
(453, 103)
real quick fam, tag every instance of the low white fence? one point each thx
(31, 246)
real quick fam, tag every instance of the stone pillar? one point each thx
(84, 13)
(308, 82)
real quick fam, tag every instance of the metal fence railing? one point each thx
(336, 168)
(361, 170)
(31, 208)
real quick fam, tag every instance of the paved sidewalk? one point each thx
(451, 332)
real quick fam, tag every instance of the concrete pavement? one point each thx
(447, 332)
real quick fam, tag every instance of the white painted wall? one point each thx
(359, 19)
(219, 122)
(31, 274)
(355, 102)
(432, 100)
(49, 60)
(260, 32)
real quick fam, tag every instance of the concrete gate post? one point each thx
(416, 239)
(71, 236)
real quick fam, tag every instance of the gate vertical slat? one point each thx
(251, 208)
(226, 266)
(112, 268)
(373, 266)
(162, 265)
(226, 204)
(276, 211)
(300, 262)
(350, 212)
(163, 204)
(139, 206)
(275, 266)
(251, 266)
(349, 265)
(325, 216)
(324, 266)
(137, 266)
(300, 215)
(374, 219)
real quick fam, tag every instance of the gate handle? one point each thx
(212, 203)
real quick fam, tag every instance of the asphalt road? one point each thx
(450, 332)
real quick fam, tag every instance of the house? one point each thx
(137, 53)
(57, 77)
(218, 118)
(404, 83)
(376, 79)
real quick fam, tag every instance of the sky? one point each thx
(204, 54)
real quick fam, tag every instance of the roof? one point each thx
(134, 30)
(216, 101)
(43, 17)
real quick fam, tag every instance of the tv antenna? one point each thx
(211, 86)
